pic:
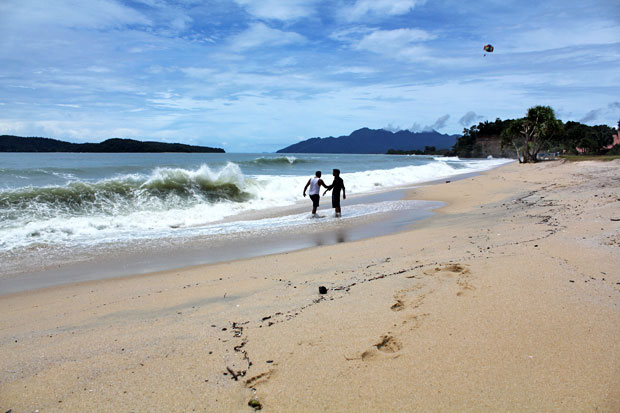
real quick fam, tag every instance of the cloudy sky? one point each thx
(258, 75)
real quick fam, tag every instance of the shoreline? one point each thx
(147, 256)
(484, 306)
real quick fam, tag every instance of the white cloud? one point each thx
(362, 8)
(123, 132)
(394, 38)
(198, 72)
(469, 118)
(10, 127)
(62, 128)
(591, 116)
(259, 34)
(21, 87)
(286, 62)
(356, 70)
(98, 69)
(97, 14)
(392, 128)
(221, 70)
(279, 9)
(398, 43)
(180, 22)
(440, 123)
(547, 38)
(350, 33)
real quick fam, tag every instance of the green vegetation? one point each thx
(18, 144)
(533, 133)
(428, 150)
(538, 131)
(468, 146)
(589, 138)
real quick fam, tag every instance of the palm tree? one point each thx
(529, 135)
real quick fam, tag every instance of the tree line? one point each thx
(538, 131)
(9, 143)
(428, 150)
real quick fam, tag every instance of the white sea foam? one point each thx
(187, 202)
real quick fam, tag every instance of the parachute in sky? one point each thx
(488, 48)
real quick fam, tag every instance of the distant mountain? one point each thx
(10, 143)
(373, 141)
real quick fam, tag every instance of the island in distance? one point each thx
(368, 141)
(9, 143)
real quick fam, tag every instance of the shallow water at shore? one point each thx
(79, 217)
(83, 200)
(290, 230)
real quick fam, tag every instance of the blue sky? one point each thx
(258, 75)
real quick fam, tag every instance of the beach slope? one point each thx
(508, 299)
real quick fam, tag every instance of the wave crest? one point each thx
(224, 185)
(281, 160)
(164, 188)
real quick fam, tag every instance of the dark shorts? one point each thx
(315, 200)
(336, 200)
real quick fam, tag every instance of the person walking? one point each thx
(315, 190)
(337, 186)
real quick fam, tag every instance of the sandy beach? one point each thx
(507, 299)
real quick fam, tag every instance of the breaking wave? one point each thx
(165, 188)
(167, 200)
(281, 160)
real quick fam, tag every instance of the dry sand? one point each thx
(507, 300)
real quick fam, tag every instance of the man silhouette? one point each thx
(315, 190)
(337, 186)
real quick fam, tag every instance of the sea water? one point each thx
(57, 204)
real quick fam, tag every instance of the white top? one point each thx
(314, 186)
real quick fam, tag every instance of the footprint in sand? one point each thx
(399, 305)
(403, 300)
(387, 344)
(369, 354)
(465, 286)
(450, 268)
(455, 270)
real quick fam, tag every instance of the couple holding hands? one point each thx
(315, 184)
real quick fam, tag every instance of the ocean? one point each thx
(55, 207)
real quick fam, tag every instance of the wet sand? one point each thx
(508, 299)
(146, 256)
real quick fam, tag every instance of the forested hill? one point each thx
(10, 143)
(373, 141)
